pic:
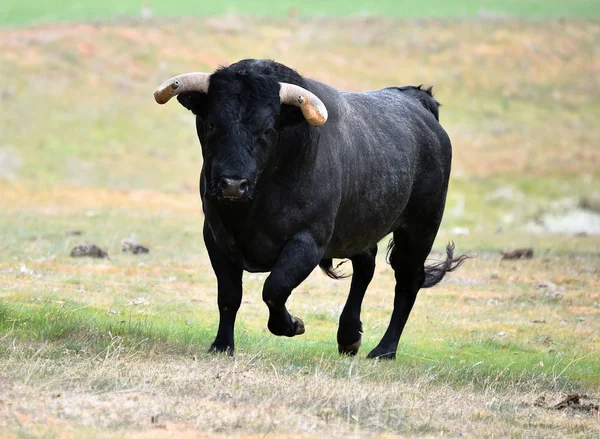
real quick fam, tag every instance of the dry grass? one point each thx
(246, 396)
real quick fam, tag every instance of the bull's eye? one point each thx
(269, 131)
(211, 125)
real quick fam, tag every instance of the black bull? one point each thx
(283, 195)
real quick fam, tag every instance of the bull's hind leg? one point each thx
(407, 258)
(350, 329)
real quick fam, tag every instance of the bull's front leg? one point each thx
(229, 294)
(297, 260)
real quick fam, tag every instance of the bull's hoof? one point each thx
(350, 349)
(298, 326)
(381, 353)
(219, 348)
(295, 326)
(349, 338)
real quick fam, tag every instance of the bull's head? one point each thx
(237, 117)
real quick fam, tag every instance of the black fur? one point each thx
(379, 165)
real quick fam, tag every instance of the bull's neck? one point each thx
(295, 152)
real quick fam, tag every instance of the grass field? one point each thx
(14, 12)
(84, 148)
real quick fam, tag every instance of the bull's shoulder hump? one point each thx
(382, 95)
(382, 99)
(407, 100)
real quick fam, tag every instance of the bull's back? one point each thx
(387, 144)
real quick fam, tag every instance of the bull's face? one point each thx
(235, 123)
(238, 116)
(236, 152)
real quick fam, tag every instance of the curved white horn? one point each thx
(197, 81)
(312, 107)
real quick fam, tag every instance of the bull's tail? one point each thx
(327, 266)
(435, 272)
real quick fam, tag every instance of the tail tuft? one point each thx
(435, 272)
(327, 267)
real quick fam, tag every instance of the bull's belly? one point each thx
(348, 241)
(353, 233)
(356, 232)
(342, 247)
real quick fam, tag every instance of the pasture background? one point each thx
(84, 147)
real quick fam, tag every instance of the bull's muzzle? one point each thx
(233, 189)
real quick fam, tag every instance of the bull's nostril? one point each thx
(223, 184)
(243, 186)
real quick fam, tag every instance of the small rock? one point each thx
(91, 250)
(73, 233)
(547, 286)
(591, 202)
(460, 231)
(138, 301)
(571, 401)
(519, 253)
(131, 245)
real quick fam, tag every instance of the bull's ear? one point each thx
(289, 116)
(193, 101)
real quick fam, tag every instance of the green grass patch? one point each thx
(73, 328)
(13, 12)
(79, 328)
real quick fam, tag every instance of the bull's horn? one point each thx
(312, 107)
(196, 81)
